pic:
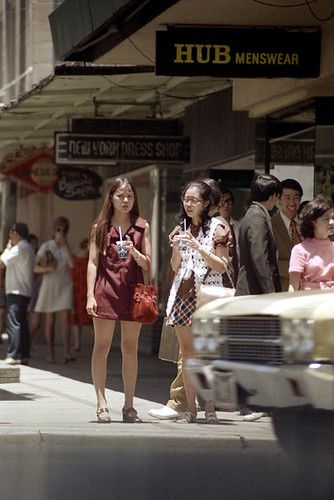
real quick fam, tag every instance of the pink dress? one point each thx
(314, 259)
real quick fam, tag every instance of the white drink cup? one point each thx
(122, 251)
(182, 246)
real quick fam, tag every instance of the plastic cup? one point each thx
(182, 246)
(122, 251)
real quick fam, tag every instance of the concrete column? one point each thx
(7, 208)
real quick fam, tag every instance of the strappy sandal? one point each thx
(211, 418)
(130, 416)
(188, 417)
(103, 416)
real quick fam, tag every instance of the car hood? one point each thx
(311, 304)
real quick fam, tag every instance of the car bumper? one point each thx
(263, 386)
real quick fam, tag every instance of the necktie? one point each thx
(295, 235)
(234, 254)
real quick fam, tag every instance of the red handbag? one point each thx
(144, 302)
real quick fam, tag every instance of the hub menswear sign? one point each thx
(90, 149)
(239, 52)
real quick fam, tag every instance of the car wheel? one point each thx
(306, 435)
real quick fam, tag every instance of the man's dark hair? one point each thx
(312, 211)
(21, 229)
(263, 186)
(32, 237)
(292, 184)
(215, 191)
(227, 191)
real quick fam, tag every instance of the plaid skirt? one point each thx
(182, 312)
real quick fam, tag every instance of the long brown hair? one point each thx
(103, 220)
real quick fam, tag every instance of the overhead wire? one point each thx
(285, 6)
(305, 3)
(140, 51)
(322, 20)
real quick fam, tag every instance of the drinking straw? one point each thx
(184, 225)
(120, 234)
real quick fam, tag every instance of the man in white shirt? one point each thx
(19, 259)
(286, 227)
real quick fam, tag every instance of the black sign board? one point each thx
(127, 126)
(239, 52)
(76, 183)
(287, 152)
(71, 149)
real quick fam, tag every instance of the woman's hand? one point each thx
(91, 307)
(129, 246)
(189, 240)
(171, 235)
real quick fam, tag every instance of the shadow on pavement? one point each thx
(154, 376)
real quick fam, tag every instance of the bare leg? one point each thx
(77, 337)
(66, 330)
(33, 323)
(129, 345)
(185, 337)
(104, 332)
(50, 335)
(2, 320)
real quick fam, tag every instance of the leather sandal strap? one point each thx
(102, 410)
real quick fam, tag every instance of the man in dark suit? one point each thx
(286, 227)
(258, 262)
(258, 271)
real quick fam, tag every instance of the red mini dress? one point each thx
(115, 276)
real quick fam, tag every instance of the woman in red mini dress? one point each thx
(111, 272)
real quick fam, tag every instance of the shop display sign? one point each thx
(93, 149)
(261, 52)
(286, 152)
(76, 183)
(31, 167)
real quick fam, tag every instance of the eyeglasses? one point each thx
(122, 197)
(191, 200)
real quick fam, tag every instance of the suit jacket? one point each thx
(258, 264)
(284, 247)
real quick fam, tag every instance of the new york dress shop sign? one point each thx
(244, 52)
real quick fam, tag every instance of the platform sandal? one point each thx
(103, 416)
(211, 418)
(130, 416)
(188, 417)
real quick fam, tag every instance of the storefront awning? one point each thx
(81, 91)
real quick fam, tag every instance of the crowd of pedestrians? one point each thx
(265, 252)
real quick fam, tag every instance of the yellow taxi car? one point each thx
(271, 353)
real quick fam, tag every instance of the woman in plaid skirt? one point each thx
(200, 252)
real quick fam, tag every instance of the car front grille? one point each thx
(255, 339)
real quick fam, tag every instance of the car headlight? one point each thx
(298, 338)
(205, 334)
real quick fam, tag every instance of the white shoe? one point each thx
(12, 361)
(251, 417)
(163, 413)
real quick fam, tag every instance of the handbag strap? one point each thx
(148, 270)
(228, 274)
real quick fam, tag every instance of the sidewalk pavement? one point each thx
(56, 403)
